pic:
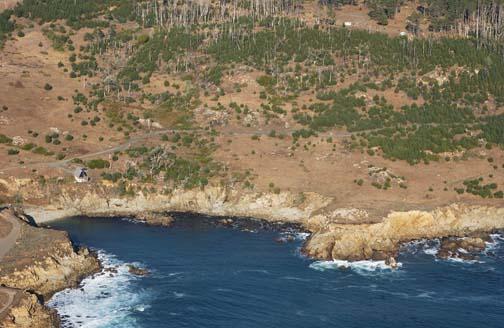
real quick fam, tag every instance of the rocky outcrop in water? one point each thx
(467, 249)
(155, 219)
(137, 271)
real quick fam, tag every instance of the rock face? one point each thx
(47, 275)
(382, 240)
(28, 312)
(212, 200)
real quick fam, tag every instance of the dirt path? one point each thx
(120, 147)
(63, 164)
(7, 242)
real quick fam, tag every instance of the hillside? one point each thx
(378, 105)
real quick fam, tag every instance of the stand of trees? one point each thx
(6, 25)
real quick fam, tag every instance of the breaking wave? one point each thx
(103, 300)
(360, 267)
(425, 246)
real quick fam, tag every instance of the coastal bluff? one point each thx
(338, 231)
(38, 263)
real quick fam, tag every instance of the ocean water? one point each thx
(207, 276)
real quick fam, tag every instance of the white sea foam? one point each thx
(293, 236)
(103, 300)
(361, 267)
(134, 221)
(429, 247)
(459, 260)
(497, 240)
(431, 250)
(302, 236)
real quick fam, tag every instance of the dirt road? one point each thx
(8, 295)
(7, 242)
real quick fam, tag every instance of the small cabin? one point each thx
(347, 24)
(81, 175)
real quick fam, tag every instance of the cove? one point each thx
(201, 275)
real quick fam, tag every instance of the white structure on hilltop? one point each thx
(81, 175)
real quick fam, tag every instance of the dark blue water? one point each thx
(203, 276)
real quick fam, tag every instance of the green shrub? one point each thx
(98, 164)
(42, 151)
(28, 146)
(4, 139)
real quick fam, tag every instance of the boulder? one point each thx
(137, 271)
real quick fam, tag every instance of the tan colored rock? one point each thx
(155, 219)
(30, 313)
(212, 200)
(63, 269)
(381, 240)
(338, 233)
(44, 261)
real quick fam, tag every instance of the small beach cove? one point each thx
(200, 274)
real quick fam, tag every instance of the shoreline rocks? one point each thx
(65, 268)
(467, 249)
(380, 241)
(155, 219)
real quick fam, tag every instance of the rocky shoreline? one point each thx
(41, 263)
(335, 233)
(381, 241)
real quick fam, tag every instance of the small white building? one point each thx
(81, 175)
(403, 33)
(347, 24)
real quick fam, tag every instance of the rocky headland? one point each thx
(38, 263)
(381, 240)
